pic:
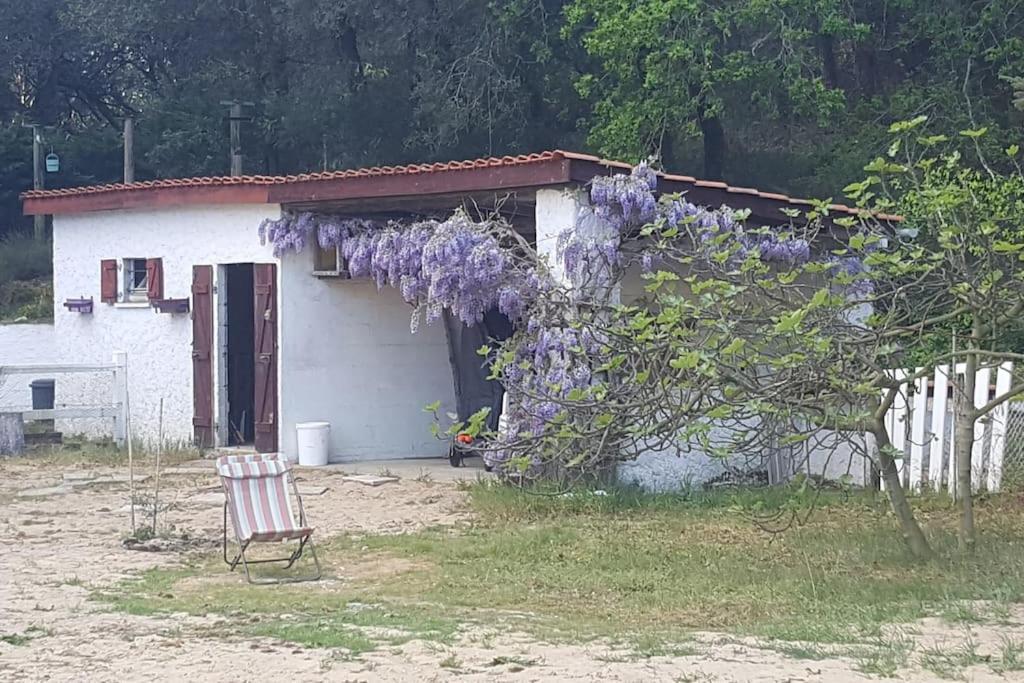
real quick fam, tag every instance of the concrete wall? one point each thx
(349, 358)
(24, 345)
(158, 345)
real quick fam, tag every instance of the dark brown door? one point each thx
(265, 291)
(202, 355)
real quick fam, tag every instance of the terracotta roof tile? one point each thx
(206, 181)
(254, 181)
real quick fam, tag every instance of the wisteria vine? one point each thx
(456, 264)
(470, 267)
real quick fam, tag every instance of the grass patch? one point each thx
(801, 650)
(1011, 656)
(643, 571)
(296, 613)
(626, 563)
(450, 662)
(19, 639)
(82, 453)
(513, 663)
(949, 663)
(885, 656)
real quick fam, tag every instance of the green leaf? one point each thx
(903, 126)
(820, 298)
(735, 346)
(432, 407)
(975, 133)
(687, 360)
(932, 140)
(790, 322)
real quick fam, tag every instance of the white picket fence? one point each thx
(921, 426)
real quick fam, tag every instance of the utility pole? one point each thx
(129, 150)
(235, 118)
(39, 221)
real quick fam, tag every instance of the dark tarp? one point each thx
(470, 370)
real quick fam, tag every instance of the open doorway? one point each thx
(238, 351)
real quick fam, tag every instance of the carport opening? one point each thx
(240, 353)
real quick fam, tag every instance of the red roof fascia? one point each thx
(473, 175)
(694, 186)
(494, 173)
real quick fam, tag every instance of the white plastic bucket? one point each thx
(312, 438)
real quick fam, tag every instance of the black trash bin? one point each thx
(42, 394)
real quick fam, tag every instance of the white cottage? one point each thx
(241, 345)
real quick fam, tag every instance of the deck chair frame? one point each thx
(305, 541)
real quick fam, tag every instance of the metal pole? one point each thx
(235, 119)
(129, 150)
(236, 138)
(39, 220)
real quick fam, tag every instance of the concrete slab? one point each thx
(207, 470)
(212, 499)
(106, 479)
(79, 475)
(44, 492)
(369, 479)
(311, 490)
(423, 469)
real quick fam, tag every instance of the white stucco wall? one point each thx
(349, 358)
(158, 345)
(24, 345)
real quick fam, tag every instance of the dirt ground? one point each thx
(60, 539)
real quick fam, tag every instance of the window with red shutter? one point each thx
(108, 281)
(154, 279)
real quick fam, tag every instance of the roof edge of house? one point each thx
(499, 174)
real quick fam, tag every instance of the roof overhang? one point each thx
(496, 175)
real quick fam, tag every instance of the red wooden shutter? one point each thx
(202, 355)
(108, 280)
(265, 291)
(154, 279)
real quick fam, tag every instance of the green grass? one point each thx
(949, 662)
(335, 619)
(642, 571)
(18, 639)
(621, 564)
(1011, 656)
(78, 452)
(884, 656)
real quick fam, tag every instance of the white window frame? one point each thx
(131, 292)
(339, 269)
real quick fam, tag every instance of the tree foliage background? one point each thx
(786, 95)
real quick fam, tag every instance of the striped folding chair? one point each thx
(257, 496)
